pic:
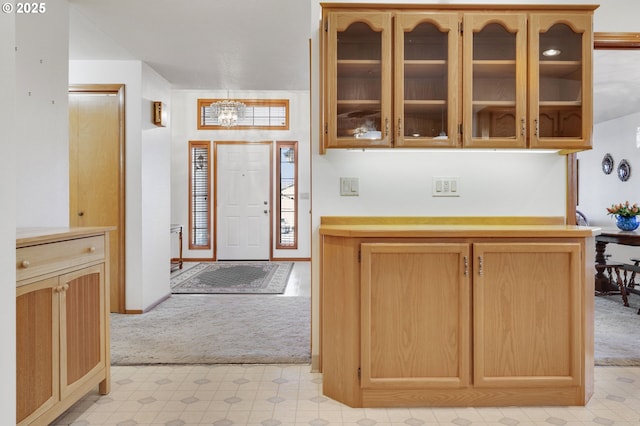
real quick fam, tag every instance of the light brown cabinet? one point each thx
(455, 76)
(62, 308)
(452, 320)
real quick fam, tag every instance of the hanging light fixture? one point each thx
(228, 111)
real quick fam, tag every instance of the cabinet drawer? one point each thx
(42, 259)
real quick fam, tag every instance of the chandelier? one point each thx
(228, 111)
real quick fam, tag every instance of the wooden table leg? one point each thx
(602, 282)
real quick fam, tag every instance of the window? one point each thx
(287, 202)
(199, 195)
(266, 114)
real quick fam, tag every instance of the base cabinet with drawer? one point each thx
(62, 335)
(488, 320)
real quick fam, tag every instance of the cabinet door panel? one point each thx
(82, 327)
(36, 348)
(495, 80)
(426, 79)
(415, 315)
(358, 79)
(526, 314)
(561, 81)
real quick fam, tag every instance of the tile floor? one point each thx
(272, 395)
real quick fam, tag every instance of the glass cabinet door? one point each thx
(426, 80)
(495, 80)
(560, 98)
(358, 107)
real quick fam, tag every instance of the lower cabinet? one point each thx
(415, 315)
(62, 330)
(466, 322)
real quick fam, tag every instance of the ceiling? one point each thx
(259, 45)
(200, 44)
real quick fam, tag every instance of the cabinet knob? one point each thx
(65, 287)
(92, 249)
(25, 263)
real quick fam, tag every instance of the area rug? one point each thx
(215, 329)
(253, 277)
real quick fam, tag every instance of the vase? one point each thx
(627, 223)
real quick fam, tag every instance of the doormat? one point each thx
(253, 277)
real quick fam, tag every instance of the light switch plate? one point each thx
(445, 186)
(349, 186)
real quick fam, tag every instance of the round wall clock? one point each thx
(624, 170)
(607, 164)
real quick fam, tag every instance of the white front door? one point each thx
(243, 182)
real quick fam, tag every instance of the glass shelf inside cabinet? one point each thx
(358, 82)
(560, 74)
(494, 83)
(425, 82)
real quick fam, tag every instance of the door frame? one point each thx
(215, 191)
(117, 89)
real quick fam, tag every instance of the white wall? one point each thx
(146, 170)
(597, 190)
(155, 191)
(7, 224)
(184, 113)
(42, 127)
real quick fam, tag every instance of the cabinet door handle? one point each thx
(92, 249)
(480, 271)
(466, 265)
(386, 126)
(523, 127)
(25, 263)
(399, 127)
(537, 127)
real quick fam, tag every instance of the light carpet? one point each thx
(222, 329)
(617, 331)
(241, 277)
(215, 329)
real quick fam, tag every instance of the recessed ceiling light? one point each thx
(551, 52)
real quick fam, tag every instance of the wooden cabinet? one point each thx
(62, 308)
(526, 314)
(449, 320)
(415, 315)
(455, 76)
(560, 80)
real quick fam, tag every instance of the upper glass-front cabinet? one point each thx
(457, 76)
(560, 78)
(358, 87)
(426, 83)
(495, 84)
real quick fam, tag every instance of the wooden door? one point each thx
(527, 314)
(415, 315)
(243, 201)
(96, 175)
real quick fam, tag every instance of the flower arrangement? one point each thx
(624, 209)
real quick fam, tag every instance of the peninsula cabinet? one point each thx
(447, 76)
(456, 315)
(62, 308)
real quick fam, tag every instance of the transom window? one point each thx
(266, 114)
